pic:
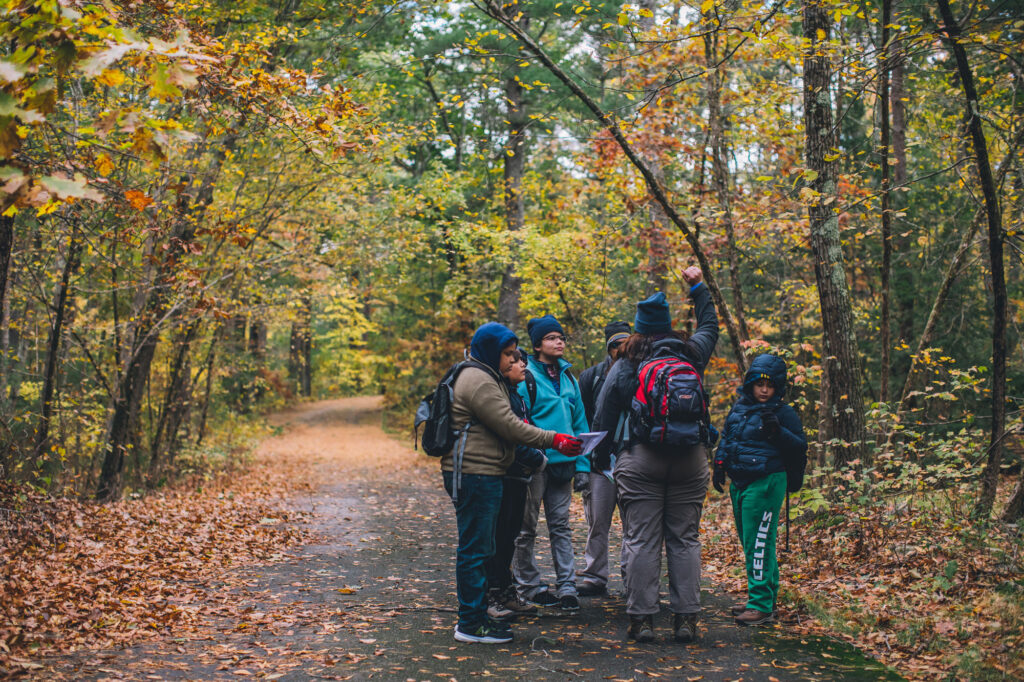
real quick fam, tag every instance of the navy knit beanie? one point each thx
(539, 327)
(652, 316)
(615, 331)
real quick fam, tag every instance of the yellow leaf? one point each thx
(623, 19)
(104, 166)
(111, 77)
(706, 5)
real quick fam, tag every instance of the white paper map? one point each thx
(590, 440)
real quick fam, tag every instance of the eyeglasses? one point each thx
(554, 337)
(614, 344)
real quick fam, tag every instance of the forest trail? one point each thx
(374, 598)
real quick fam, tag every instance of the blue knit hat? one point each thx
(539, 327)
(652, 316)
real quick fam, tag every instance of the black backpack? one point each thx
(435, 414)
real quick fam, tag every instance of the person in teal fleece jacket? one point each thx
(557, 401)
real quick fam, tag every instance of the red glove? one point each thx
(570, 446)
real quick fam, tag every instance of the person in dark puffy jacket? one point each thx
(661, 493)
(503, 598)
(764, 452)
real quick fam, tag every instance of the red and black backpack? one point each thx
(670, 407)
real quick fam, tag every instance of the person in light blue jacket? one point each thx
(553, 397)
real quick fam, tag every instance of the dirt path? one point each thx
(375, 599)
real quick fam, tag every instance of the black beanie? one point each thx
(539, 327)
(616, 331)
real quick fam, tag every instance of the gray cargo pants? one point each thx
(661, 497)
(599, 506)
(556, 498)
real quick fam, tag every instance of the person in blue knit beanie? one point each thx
(661, 493)
(556, 399)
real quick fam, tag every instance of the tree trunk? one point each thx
(515, 167)
(990, 477)
(906, 293)
(840, 356)
(720, 174)
(174, 408)
(883, 154)
(53, 350)
(6, 266)
(211, 356)
(657, 221)
(1015, 507)
(300, 350)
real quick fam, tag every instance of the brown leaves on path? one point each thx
(80, 575)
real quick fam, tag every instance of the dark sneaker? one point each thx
(754, 617)
(483, 634)
(499, 626)
(589, 589)
(641, 628)
(684, 627)
(569, 603)
(543, 598)
(513, 602)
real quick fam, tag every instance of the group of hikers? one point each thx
(514, 424)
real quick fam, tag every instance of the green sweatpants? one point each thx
(756, 511)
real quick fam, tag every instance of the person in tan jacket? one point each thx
(482, 399)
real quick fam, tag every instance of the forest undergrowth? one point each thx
(908, 579)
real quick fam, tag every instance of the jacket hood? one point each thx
(488, 342)
(766, 366)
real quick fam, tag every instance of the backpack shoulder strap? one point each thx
(531, 388)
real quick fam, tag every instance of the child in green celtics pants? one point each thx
(764, 451)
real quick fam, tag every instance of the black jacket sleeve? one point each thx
(588, 378)
(702, 342)
(614, 399)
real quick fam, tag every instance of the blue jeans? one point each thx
(476, 515)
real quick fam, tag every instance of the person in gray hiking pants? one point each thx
(557, 406)
(661, 493)
(599, 495)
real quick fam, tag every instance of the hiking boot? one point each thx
(483, 634)
(641, 628)
(684, 627)
(569, 603)
(737, 609)
(497, 610)
(515, 603)
(544, 598)
(589, 589)
(754, 617)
